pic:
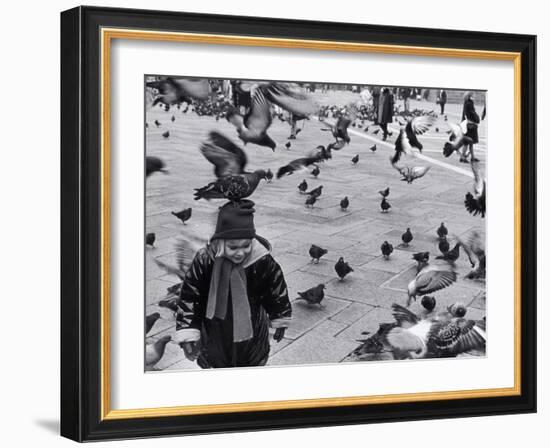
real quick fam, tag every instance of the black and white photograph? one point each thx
(293, 223)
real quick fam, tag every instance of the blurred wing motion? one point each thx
(227, 157)
(185, 251)
(407, 140)
(457, 139)
(297, 164)
(411, 173)
(291, 100)
(174, 90)
(431, 278)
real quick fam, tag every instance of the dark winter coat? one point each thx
(385, 108)
(268, 299)
(469, 113)
(442, 99)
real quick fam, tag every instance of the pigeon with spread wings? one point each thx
(431, 278)
(252, 128)
(298, 164)
(407, 140)
(475, 203)
(457, 139)
(411, 173)
(340, 129)
(179, 90)
(229, 161)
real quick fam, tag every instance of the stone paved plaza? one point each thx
(363, 299)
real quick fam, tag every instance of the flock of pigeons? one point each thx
(432, 334)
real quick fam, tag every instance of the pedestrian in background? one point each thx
(471, 119)
(442, 100)
(375, 102)
(385, 111)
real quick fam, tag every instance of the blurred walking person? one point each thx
(385, 111)
(442, 100)
(470, 119)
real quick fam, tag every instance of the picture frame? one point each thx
(86, 37)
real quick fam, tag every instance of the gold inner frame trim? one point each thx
(107, 35)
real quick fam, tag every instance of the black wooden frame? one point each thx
(81, 224)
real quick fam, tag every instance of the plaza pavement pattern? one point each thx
(363, 300)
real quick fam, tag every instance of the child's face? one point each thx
(237, 250)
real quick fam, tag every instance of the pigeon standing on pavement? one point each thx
(157, 123)
(166, 134)
(373, 148)
(442, 231)
(407, 237)
(153, 165)
(386, 249)
(344, 204)
(355, 159)
(184, 215)
(313, 296)
(315, 171)
(342, 268)
(316, 252)
(150, 239)
(385, 205)
(303, 186)
(310, 201)
(428, 302)
(316, 192)
(451, 255)
(269, 175)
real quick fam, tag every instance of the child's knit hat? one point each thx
(236, 221)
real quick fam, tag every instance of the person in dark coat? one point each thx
(232, 293)
(385, 111)
(471, 117)
(375, 102)
(442, 100)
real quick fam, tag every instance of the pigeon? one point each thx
(421, 257)
(436, 129)
(324, 153)
(288, 145)
(150, 239)
(373, 148)
(293, 101)
(269, 175)
(428, 302)
(185, 250)
(316, 192)
(375, 132)
(302, 187)
(431, 278)
(173, 118)
(315, 171)
(155, 351)
(457, 139)
(310, 201)
(442, 231)
(297, 164)
(407, 140)
(444, 245)
(183, 215)
(153, 165)
(313, 296)
(355, 159)
(316, 252)
(157, 123)
(441, 337)
(386, 249)
(229, 161)
(457, 309)
(342, 268)
(179, 90)
(474, 247)
(337, 145)
(475, 203)
(340, 129)
(344, 203)
(166, 134)
(407, 237)
(252, 128)
(385, 205)
(150, 321)
(385, 193)
(410, 174)
(451, 255)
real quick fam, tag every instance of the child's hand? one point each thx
(279, 334)
(191, 350)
